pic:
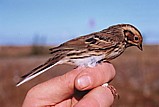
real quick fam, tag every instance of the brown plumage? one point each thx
(91, 49)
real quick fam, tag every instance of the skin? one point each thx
(78, 88)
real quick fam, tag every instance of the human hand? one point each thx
(71, 89)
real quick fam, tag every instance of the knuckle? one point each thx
(67, 79)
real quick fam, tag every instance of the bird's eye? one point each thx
(136, 38)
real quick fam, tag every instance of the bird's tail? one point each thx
(37, 71)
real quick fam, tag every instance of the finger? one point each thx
(95, 76)
(65, 103)
(52, 91)
(98, 97)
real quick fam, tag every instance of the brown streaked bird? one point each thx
(91, 49)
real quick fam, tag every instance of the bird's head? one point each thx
(133, 36)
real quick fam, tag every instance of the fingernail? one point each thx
(84, 81)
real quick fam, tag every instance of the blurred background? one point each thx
(28, 28)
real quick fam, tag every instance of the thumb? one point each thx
(52, 91)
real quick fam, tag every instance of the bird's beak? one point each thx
(140, 47)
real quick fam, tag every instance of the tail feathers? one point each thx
(35, 72)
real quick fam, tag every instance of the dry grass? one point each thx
(136, 80)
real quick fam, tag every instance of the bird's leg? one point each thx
(112, 89)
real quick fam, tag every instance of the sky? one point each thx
(27, 22)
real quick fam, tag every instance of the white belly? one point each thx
(88, 61)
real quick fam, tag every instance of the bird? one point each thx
(91, 49)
